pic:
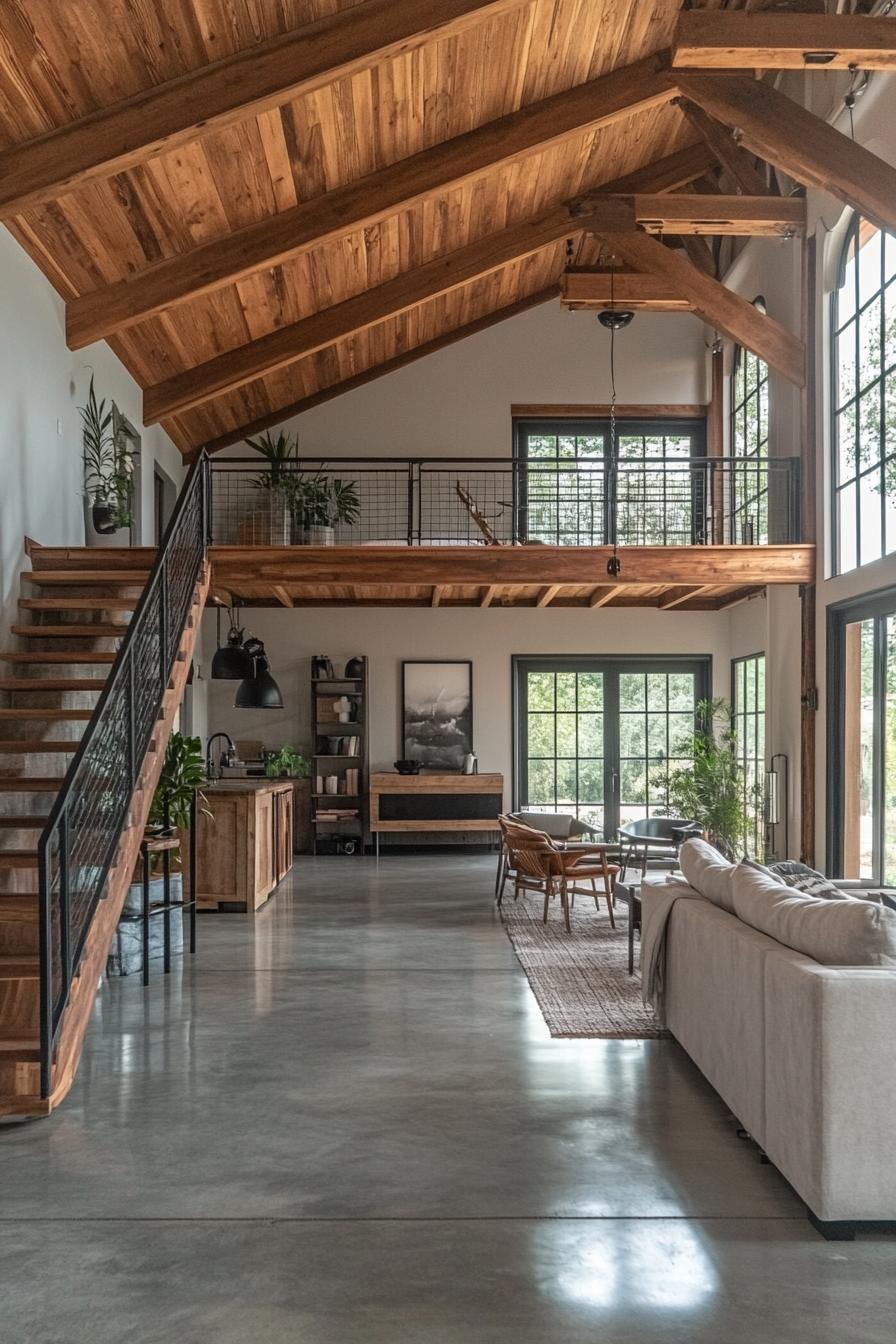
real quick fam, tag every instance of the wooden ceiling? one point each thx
(59, 63)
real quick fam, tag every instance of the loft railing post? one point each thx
(410, 504)
(163, 631)
(45, 934)
(131, 697)
(65, 898)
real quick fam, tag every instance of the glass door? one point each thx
(597, 738)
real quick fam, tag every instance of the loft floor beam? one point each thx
(807, 148)
(358, 205)
(687, 213)
(288, 344)
(713, 40)
(156, 120)
(718, 306)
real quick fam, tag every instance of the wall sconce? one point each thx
(777, 793)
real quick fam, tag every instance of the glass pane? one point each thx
(858, 750)
(591, 734)
(541, 735)
(566, 734)
(632, 735)
(566, 690)
(540, 690)
(889, 741)
(632, 690)
(541, 793)
(591, 690)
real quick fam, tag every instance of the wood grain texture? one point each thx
(741, 41)
(690, 214)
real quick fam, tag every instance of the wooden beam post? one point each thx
(252, 80)
(801, 144)
(741, 40)
(717, 306)
(359, 205)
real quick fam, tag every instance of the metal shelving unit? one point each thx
(330, 835)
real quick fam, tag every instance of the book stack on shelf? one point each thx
(339, 767)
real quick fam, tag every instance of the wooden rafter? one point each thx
(681, 595)
(718, 306)
(282, 595)
(742, 41)
(489, 595)
(297, 340)
(800, 143)
(691, 214)
(249, 82)
(547, 594)
(360, 204)
(735, 160)
(584, 288)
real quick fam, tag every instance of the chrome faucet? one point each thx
(209, 763)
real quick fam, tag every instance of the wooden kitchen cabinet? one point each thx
(246, 851)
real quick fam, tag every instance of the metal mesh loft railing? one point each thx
(79, 842)
(650, 501)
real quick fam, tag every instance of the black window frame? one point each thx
(693, 427)
(745, 493)
(752, 805)
(700, 664)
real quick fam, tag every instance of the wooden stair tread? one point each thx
(33, 684)
(50, 715)
(19, 1050)
(65, 602)
(32, 746)
(7, 897)
(70, 631)
(56, 557)
(27, 822)
(82, 578)
(18, 858)
(30, 783)
(19, 968)
(59, 656)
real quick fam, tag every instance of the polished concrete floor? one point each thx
(345, 1121)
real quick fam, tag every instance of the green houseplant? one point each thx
(712, 790)
(108, 465)
(276, 482)
(320, 503)
(287, 762)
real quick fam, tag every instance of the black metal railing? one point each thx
(644, 501)
(82, 834)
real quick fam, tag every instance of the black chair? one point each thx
(653, 838)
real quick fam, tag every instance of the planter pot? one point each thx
(317, 536)
(280, 520)
(126, 954)
(96, 519)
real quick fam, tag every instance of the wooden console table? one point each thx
(420, 804)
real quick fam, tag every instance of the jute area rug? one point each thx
(580, 979)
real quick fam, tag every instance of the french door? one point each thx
(862, 739)
(598, 737)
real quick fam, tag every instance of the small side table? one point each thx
(630, 892)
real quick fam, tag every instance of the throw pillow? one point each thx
(834, 933)
(708, 872)
(803, 878)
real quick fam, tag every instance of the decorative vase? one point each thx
(97, 532)
(318, 536)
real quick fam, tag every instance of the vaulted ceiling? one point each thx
(195, 244)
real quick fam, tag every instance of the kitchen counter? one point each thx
(247, 849)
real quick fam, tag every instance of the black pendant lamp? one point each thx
(258, 690)
(231, 662)
(614, 319)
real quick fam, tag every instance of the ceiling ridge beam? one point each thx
(718, 306)
(364, 203)
(247, 82)
(286, 345)
(804, 146)
(737, 40)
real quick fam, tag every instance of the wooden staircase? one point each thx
(75, 605)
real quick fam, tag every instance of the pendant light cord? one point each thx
(613, 565)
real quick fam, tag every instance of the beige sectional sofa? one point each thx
(802, 1049)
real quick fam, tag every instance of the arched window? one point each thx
(749, 445)
(863, 398)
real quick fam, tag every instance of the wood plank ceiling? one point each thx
(59, 63)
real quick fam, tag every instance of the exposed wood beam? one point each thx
(288, 344)
(734, 160)
(253, 80)
(379, 370)
(627, 289)
(718, 306)
(361, 204)
(689, 214)
(547, 595)
(684, 595)
(489, 595)
(699, 253)
(282, 595)
(803, 145)
(743, 41)
(511, 566)
(602, 595)
(438, 593)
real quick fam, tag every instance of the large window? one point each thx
(749, 446)
(568, 495)
(597, 737)
(748, 702)
(862, 739)
(863, 398)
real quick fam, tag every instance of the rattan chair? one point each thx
(535, 862)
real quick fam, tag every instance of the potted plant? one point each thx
(183, 770)
(108, 474)
(320, 503)
(293, 764)
(276, 482)
(712, 791)
(287, 763)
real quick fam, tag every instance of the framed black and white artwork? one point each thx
(437, 712)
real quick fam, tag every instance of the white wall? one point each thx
(457, 402)
(42, 383)
(488, 637)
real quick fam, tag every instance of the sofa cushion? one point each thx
(834, 933)
(708, 872)
(803, 878)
